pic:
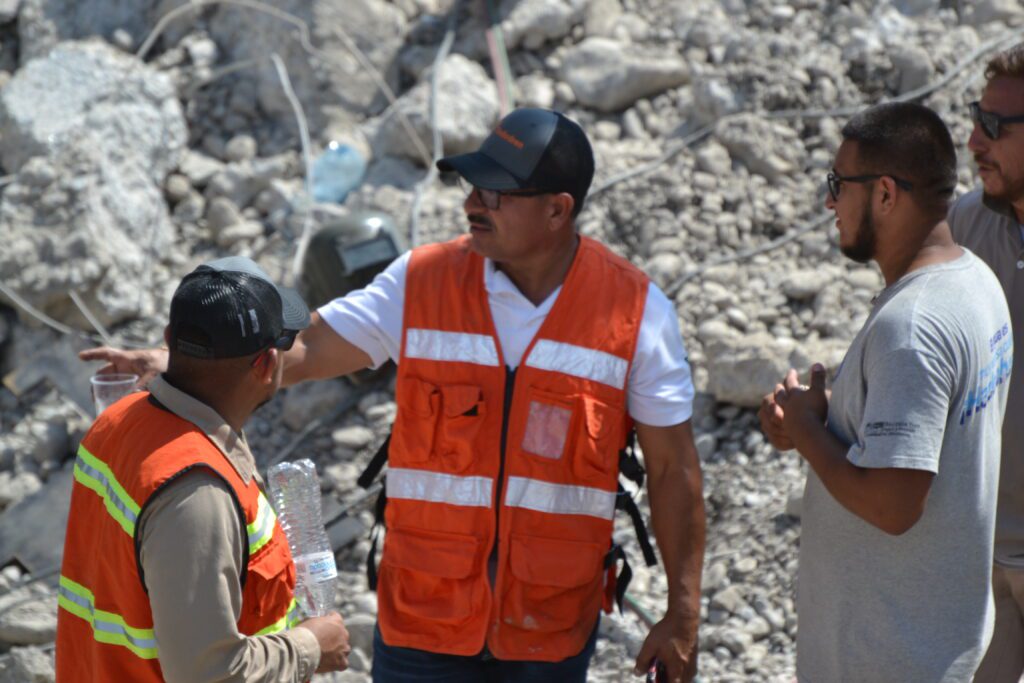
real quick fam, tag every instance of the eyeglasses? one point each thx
(492, 198)
(835, 182)
(990, 121)
(283, 343)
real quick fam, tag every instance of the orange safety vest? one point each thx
(104, 621)
(545, 438)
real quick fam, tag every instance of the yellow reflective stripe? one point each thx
(262, 528)
(94, 474)
(287, 621)
(107, 627)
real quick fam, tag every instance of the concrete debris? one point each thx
(121, 175)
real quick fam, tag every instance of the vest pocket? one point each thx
(432, 572)
(549, 425)
(551, 580)
(597, 447)
(462, 415)
(268, 586)
(419, 405)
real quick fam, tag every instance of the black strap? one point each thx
(615, 554)
(625, 502)
(365, 481)
(378, 524)
(375, 465)
(629, 464)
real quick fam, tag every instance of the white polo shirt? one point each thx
(659, 389)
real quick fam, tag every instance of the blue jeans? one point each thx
(406, 665)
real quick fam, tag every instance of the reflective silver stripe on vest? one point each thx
(107, 627)
(579, 361)
(559, 499)
(451, 346)
(434, 487)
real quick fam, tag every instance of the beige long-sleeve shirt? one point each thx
(192, 557)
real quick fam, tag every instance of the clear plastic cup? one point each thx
(109, 387)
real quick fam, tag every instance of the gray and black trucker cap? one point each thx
(530, 149)
(230, 307)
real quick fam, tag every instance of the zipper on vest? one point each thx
(506, 410)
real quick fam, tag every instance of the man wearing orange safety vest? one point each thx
(525, 354)
(175, 568)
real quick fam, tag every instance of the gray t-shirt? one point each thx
(923, 386)
(991, 231)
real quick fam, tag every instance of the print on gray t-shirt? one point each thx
(923, 386)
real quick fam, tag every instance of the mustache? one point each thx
(479, 219)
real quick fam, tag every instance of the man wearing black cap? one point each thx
(526, 353)
(174, 566)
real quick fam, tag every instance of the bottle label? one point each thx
(316, 567)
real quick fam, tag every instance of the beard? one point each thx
(1012, 190)
(863, 248)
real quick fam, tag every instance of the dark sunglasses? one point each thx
(835, 181)
(492, 198)
(991, 121)
(283, 343)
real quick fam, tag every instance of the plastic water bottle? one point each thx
(336, 172)
(295, 491)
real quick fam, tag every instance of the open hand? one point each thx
(146, 363)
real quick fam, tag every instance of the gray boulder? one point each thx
(28, 616)
(9, 10)
(610, 76)
(742, 369)
(84, 223)
(468, 112)
(42, 24)
(531, 23)
(26, 665)
(89, 94)
(333, 77)
(768, 148)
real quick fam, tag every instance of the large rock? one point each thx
(468, 109)
(88, 93)
(9, 10)
(42, 24)
(768, 148)
(531, 23)
(333, 77)
(26, 665)
(82, 223)
(741, 370)
(609, 76)
(28, 616)
(89, 133)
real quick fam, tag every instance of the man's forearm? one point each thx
(677, 515)
(891, 500)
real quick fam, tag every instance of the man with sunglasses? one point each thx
(990, 222)
(526, 352)
(899, 506)
(175, 568)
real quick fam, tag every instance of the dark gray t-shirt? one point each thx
(991, 231)
(923, 386)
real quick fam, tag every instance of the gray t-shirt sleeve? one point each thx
(905, 411)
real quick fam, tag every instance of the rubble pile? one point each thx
(129, 156)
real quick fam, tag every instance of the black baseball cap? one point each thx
(530, 149)
(230, 308)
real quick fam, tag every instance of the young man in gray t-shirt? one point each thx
(899, 508)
